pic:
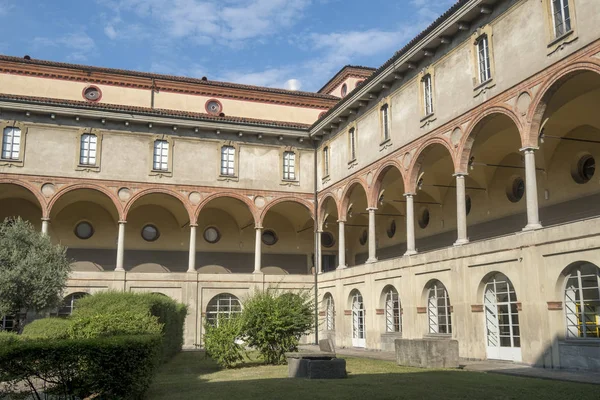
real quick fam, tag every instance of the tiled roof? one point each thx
(367, 70)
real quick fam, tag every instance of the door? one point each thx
(358, 320)
(503, 336)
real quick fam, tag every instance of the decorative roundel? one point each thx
(363, 237)
(424, 218)
(92, 93)
(212, 235)
(391, 230)
(84, 230)
(269, 237)
(214, 107)
(327, 239)
(516, 191)
(150, 233)
(468, 204)
(586, 167)
(344, 90)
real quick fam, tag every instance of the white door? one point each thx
(358, 321)
(503, 336)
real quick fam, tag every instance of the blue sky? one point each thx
(294, 44)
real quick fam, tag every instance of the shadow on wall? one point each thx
(580, 354)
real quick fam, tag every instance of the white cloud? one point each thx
(80, 44)
(110, 31)
(293, 84)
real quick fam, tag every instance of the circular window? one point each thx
(150, 233)
(363, 237)
(327, 239)
(468, 204)
(391, 231)
(516, 191)
(344, 90)
(84, 230)
(92, 93)
(424, 218)
(586, 167)
(269, 237)
(212, 235)
(213, 106)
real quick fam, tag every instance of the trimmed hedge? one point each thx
(8, 338)
(117, 367)
(47, 328)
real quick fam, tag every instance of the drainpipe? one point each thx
(317, 263)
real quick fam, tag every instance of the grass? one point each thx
(190, 376)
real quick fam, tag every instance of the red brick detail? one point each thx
(555, 305)
(421, 310)
(519, 306)
(321, 313)
(476, 307)
(347, 312)
(379, 311)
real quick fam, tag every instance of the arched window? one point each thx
(392, 311)
(7, 323)
(223, 305)
(582, 302)
(358, 319)
(329, 313)
(438, 309)
(68, 304)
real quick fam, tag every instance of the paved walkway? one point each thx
(487, 366)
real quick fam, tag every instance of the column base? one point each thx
(410, 252)
(119, 269)
(342, 267)
(257, 272)
(371, 260)
(192, 271)
(532, 227)
(460, 242)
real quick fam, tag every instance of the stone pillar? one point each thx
(341, 245)
(257, 251)
(45, 225)
(410, 225)
(461, 211)
(192, 257)
(372, 244)
(533, 217)
(318, 261)
(121, 246)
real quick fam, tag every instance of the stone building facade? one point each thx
(449, 193)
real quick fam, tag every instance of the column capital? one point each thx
(409, 194)
(258, 227)
(371, 209)
(529, 149)
(320, 231)
(193, 225)
(46, 219)
(122, 222)
(341, 221)
(461, 174)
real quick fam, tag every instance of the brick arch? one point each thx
(540, 102)
(383, 169)
(34, 191)
(321, 212)
(343, 205)
(91, 186)
(150, 191)
(470, 135)
(309, 206)
(415, 165)
(244, 199)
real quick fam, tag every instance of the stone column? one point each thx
(533, 217)
(121, 246)
(257, 250)
(318, 261)
(410, 225)
(45, 225)
(341, 245)
(461, 210)
(192, 258)
(372, 244)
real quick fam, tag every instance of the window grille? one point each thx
(582, 302)
(384, 122)
(329, 313)
(392, 311)
(484, 59)
(289, 165)
(87, 152)
(561, 16)
(326, 159)
(161, 155)
(11, 143)
(428, 95)
(228, 160)
(224, 305)
(352, 138)
(438, 309)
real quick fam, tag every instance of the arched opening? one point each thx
(329, 237)
(224, 305)
(68, 305)
(391, 310)
(329, 310)
(288, 239)
(157, 234)
(225, 236)
(569, 149)
(582, 300)
(439, 310)
(358, 319)
(354, 205)
(503, 336)
(17, 201)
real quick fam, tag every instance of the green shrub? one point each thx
(117, 367)
(47, 328)
(220, 341)
(114, 324)
(7, 338)
(273, 322)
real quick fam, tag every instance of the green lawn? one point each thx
(190, 376)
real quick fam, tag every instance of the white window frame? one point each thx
(483, 59)
(560, 16)
(227, 160)
(329, 313)
(88, 149)
(385, 122)
(352, 143)
(578, 313)
(326, 160)
(160, 159)
(439, 309)
(224, 305)
(393, 317)
(427, 94)
(289, 165)
(11, 151)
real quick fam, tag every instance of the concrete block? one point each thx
(388, 341)
(427, 353)
(297, 367)
(326, 345)
(327, 369)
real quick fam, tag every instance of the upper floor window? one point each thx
(427, 94)
(289, 165)
(11, 143)
(326, 160)
(161, 155)
(87, 149)
(483, 57)
(352, 143)
(561, 17)
(344, 90)
(228, 160)
(385, 122)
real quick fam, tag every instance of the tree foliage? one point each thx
(221, 341)
(33, 271)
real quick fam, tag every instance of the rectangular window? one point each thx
(87, 149)
(289, 165)
(384, 122)
(427, 94)
(352, 139)
(561, 16)
(161, 155)
(11, 143)
(326, 160)
(483, 54)
(228, 160)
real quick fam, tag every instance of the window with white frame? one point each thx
(224, 305)
(7, 323)
(582, 302)
(483, 57)
(329, 313)
(427, 94)
(289, 165)
(228, 160)
(326, 160)
(352, 143)
(68, 304)
(87, 149)
(392, 311)
(561, 17)
(11, 143)
(438, 309)
(161, 155)
(385, 122)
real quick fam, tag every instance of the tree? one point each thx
(33, 271)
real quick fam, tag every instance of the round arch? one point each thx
(244, 199)
(321, 211)
(346, 196)
(416, 164)
(308, 205)
(151, 191)
(373, 195)
(33, 190)
(98, 188)
(486, 278)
